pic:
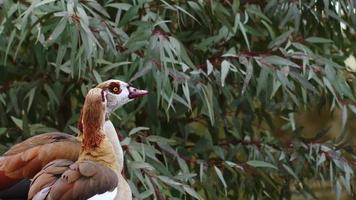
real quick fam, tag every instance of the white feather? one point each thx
(110, 195)
(42, 194)
(112, 135)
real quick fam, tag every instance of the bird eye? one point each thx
(115, 90)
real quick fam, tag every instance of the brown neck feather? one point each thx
(92, 118)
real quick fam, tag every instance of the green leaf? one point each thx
(243, 31)
(225, 66)
(121, 6)
(18, 122)
(30, 95)
(305, 83)
(98, 8)
(138, 129)
(187, 13)
(290, 171)
(112, 66)
(209, 67)
(208, 100)
(318, 40)
(169, 181)
(221, 177)
(186, 92)
(159, 139)
(57, 31)
(129, 15)
(280, 40)
(248, 76)
(191, 192)
(97, 76)
(277, 60)
(141, 165)
(259, 163)
(52, 96)
(10, 41)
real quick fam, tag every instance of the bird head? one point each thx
(119, 93)
(113, 94)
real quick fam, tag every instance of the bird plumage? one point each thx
(94, 173)
(24, 160)
(27, 158)
(78, 181)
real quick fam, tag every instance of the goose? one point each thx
(96, 171)
(27, 158)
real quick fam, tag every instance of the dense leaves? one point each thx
(227, 80)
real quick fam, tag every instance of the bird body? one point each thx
(95, 172)
(36, 153)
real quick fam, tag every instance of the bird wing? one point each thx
(27, 158)
(65, 180)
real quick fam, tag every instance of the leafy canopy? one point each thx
(221, 76)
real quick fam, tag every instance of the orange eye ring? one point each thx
(116, 90)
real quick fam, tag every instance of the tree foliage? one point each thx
(226, 79)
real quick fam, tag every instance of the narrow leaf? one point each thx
(259, 163)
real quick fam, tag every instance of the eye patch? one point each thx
(102, 96)
(114, 88)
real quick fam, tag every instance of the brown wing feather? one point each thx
(38, 140)
(79, 180)
(27, 158)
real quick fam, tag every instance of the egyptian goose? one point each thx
(96, 170)
(25, 159)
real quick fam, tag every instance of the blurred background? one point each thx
(249, 99)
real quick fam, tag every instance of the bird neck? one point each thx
(124, 191)
(103, 153)
(114, 139)
(111, 135)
